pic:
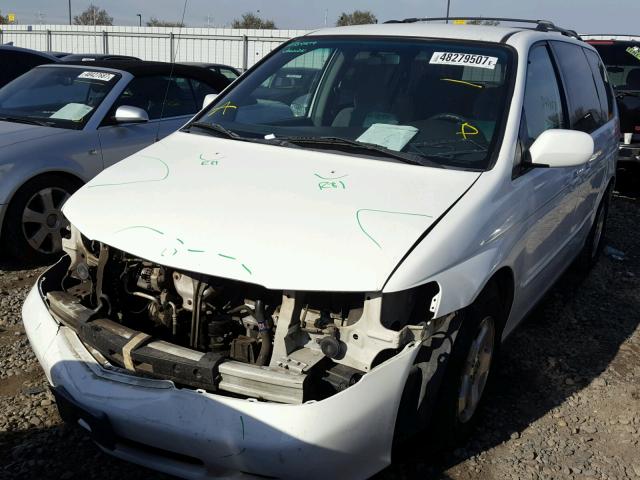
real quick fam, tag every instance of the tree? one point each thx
(3, 19)
(251, 20)
(93, 16)
(357, 17)
(154, 22)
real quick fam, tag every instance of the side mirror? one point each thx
(561, 148)
(208, 99)
(129, 114)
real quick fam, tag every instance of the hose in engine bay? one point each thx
(264, 332)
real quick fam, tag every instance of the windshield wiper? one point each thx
(217, 128)
(447, 143)
(28, 121)
(455, 153)
(329, 142)
(319, 142)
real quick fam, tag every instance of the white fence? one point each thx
(236, 47)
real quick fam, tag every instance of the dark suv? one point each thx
(15, 61)
(621, 55)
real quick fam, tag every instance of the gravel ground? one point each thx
(565, 404)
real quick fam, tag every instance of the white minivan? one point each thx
(325, 260)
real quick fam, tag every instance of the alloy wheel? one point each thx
(42, 220)
(476, 370)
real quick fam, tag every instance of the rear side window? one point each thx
(585, 113)
(542, 101)
(602, 83)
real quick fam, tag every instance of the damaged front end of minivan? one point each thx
(226, 336)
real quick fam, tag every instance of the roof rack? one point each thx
(610, 35)
(541, 25)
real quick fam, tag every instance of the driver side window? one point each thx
(542, 106)
(542, 101)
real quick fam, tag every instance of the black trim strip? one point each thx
(511, 34)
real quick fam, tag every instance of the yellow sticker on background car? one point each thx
(635, 51)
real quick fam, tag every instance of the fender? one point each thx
(70, 155)
(465, 249)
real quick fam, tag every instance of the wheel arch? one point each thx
(504, 280)
(59, 173)
(423, 388)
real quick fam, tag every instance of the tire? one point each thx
(471, 364)
(594, 244)
(34, 224)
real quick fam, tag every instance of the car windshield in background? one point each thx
(430, 102)
(56, 96)
(622, 60)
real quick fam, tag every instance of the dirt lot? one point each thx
(566, 403)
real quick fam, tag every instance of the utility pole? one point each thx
(69, 12)
(448, 6)
(139, 15)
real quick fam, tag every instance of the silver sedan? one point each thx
(60, 125)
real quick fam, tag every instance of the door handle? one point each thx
(93, 151)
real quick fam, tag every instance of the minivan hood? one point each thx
(14, 132)
(284, 218)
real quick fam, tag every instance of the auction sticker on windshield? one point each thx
(464, 59)
(102, 76)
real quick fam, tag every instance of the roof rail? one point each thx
(541, 25)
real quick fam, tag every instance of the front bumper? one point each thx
(198, 435)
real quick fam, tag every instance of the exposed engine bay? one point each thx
(227, 336)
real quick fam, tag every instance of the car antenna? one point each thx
(173, 63)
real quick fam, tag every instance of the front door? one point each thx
(546, 197)
(169, 102)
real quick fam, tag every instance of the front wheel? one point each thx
(469, 371)
(34, 224)
(475, 372)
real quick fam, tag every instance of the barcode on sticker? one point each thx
(464, 59)
(102, 76)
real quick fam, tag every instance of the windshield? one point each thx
(56, 96)
(622, 60)
(441, 101)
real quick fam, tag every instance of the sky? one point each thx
(585, 16)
